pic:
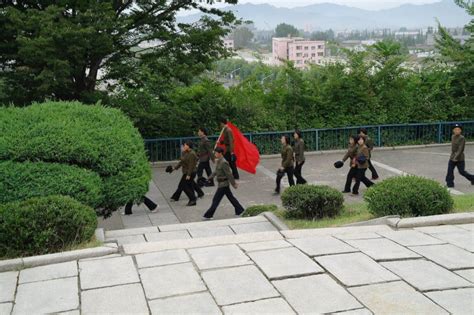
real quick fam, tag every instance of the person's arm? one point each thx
(180, 163)
(228, 174)
(459, 149)
(347, 155)
(209, 151)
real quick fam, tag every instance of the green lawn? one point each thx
(359, 212)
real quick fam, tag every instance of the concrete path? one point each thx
(353, 270)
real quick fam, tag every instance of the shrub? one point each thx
(44, 225)
(257, 209)
(408, 196)
(312, 202)
(21, 181)
(96, 138)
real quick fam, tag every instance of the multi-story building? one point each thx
(302, 52)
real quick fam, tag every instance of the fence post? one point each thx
(317, 140)
(440, 133)
(379, 136)
(251, 137)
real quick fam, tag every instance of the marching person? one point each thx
(299, 157)
(148, 203)
(187, 184)
(351, 154)
(457, 157)
(224, 177)
(362, 161)
(205, 155)
(286, 164)
(370, 145)
(227, 139)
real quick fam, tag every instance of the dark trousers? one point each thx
(231, 158)
(204, 166)
(461, 168)
(221, 191)
(360, 177)
(289, 172)
(372, 170)
(148, 202)
(189, 187)
(350, 175)
(297, 173)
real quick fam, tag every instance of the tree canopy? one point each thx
(285, 30)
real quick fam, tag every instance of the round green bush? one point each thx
(257, 209)
(21, 181)
(408, 196)
(44, 225)
(312, 202)
(96, 138)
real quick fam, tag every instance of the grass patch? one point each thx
(358, 212)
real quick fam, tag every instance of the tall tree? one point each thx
(242, 37)
(59, 49)
(285, 30)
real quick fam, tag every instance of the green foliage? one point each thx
(21, 181)
(95, 138)
(257, 209)
(312, 202)
(44, 225)
(242, 37)
(408, 196)
(285, 30)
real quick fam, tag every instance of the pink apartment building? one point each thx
(302, 52)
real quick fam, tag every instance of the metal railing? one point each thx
(168, 149)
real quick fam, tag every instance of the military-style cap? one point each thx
(219, 150)
(457, 126)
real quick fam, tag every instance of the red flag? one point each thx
(246, 152)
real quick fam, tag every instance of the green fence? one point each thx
(168, 149)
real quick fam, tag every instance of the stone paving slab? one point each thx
(464, 240)
(322, 245)
(136, 221)
(269, 306)
(73, 312)
(49, 272)
(467, 274)
(395, 298)
(425, 275)
(196, 304)
(161, 218)
(167, 257)
(219, 257)
(216, 231)
(6, 308)
(167, 236)
(355, 269)
(171, 280)
(468, 227)
(411, 238)
(201, 242)
(285, 262)
(448, 256)
(335, 231)
(382, 249)
(128, 232)
(238, 285)
(47, 296)
(130, 239)
(211, 224)
(107, 272)
(455, 301)
(102, 257)
(257, 246)
(8, 281)
(357, 236)
(360, 311)
(123, 299)
(306, 295)
(439, 229)
(253, 227)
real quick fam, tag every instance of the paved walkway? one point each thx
(354, 270)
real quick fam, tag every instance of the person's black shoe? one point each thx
(174, 200)
(345, 191)
(276, 192)
(201, 195)
(375, 177)
(191, 203)
(355, 194)
(450, 186)
(472, 182)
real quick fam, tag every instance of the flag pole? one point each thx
(217, 142)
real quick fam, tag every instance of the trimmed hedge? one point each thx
(408, 196)
(44, 225)
(257, 209)
(21, 181)
(312, 202)
(95, 138)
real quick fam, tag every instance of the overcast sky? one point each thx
(364, 4)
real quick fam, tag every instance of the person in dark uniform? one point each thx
(457, 157)
(362, 161)
(227, 140)
(187, 184)
(351, 154)
(286, 164)
(148, 203)
(205, 155)
(224, 177)
(299, 157)
(370, 145)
